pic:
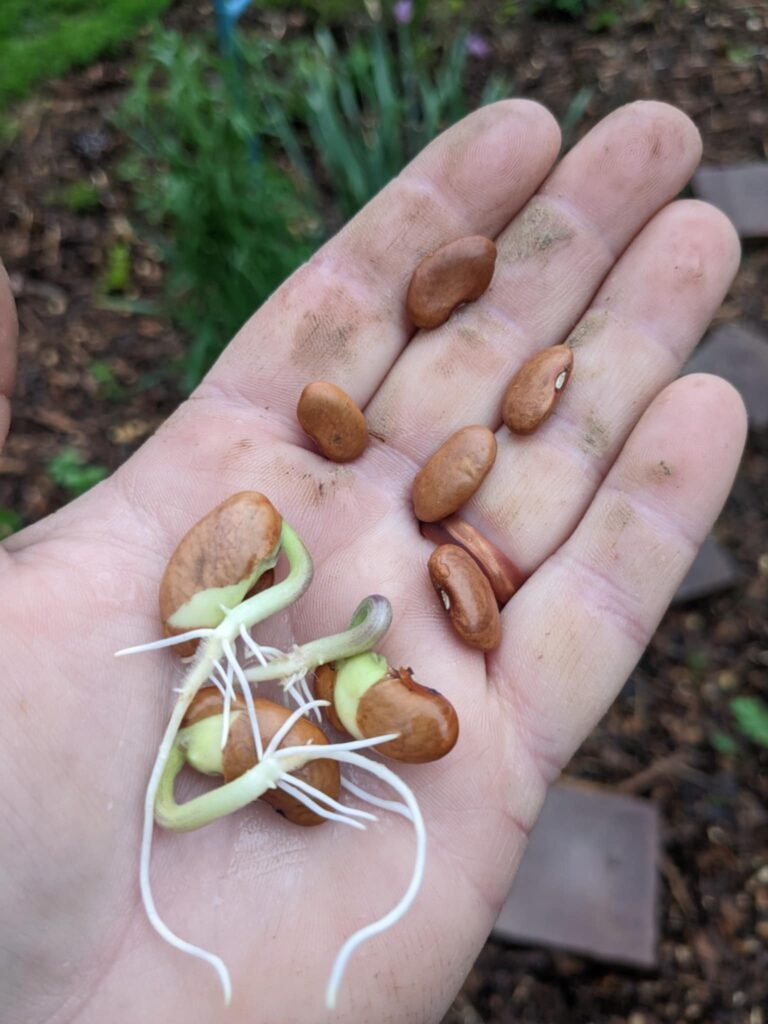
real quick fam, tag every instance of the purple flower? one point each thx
(477, 46)
(403, 11)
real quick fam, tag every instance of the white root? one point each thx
(385, 805)
(351, 812)
(276, 769)
(228, 693)
(170, 641)
(198, 674)
(286, 727)
(304, 798)
(343, 752)
(218, 641)
(234, 664)
(252, 646)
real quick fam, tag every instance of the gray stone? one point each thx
(738, 352)
(588, 882)
(740, 191)
(713, 571)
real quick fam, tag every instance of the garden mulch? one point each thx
(99, 379)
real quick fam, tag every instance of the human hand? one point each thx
(602, 510)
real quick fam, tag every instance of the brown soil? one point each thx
(709, 59)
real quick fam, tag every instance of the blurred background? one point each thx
(165, 165)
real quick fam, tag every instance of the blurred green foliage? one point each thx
(10, 522)
(117, 274)
(325, 10)
(243, 165)
(595, 15)
(371, 106)
(107, 384)
(79, 196)
(751, 714)
(69, 470)
(723, 743)
(45, 38)
(231, 224)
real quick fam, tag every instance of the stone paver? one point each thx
(740, 191)
(588, 882)
(713, 571)
(738, 352)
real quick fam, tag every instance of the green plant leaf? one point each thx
(751, 714)
(69, 470)
(10, 522)
(117, 273)
(108, 385)
(723, 743)
(79, 196)
(213, 137)
(45, 39)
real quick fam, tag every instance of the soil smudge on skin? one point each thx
(586, 329)
(617, 518)
(467, 349)
(322, 344)
(596, 439)
(536, 232)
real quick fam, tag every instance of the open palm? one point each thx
(602, 510)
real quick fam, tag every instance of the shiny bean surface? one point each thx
(220, 550)
(333, 421)
(467, 596)
(455, 273)
(536, 388)
(426, 720)
(453, 474)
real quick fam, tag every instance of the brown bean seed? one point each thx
(239, 754)
(467, 596)
(536, 389)
(333, 421)
(426, 720)
(222, 549)
(453, 474)
(455, 273)
(325, 679)
(502, 573)
(206, 703)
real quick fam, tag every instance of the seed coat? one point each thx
(472, 610)
(453, 473)
(457, 272)
(333, 421)
(536, 388)
(426, 720)
(219, 555)
(502, 574)
(239, 754)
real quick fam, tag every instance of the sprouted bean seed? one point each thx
(260, 750)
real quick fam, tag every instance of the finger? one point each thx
(551, 260)
(8, 334)
(341, 317)
(645, 320)
(5, 419)
(573, 633)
